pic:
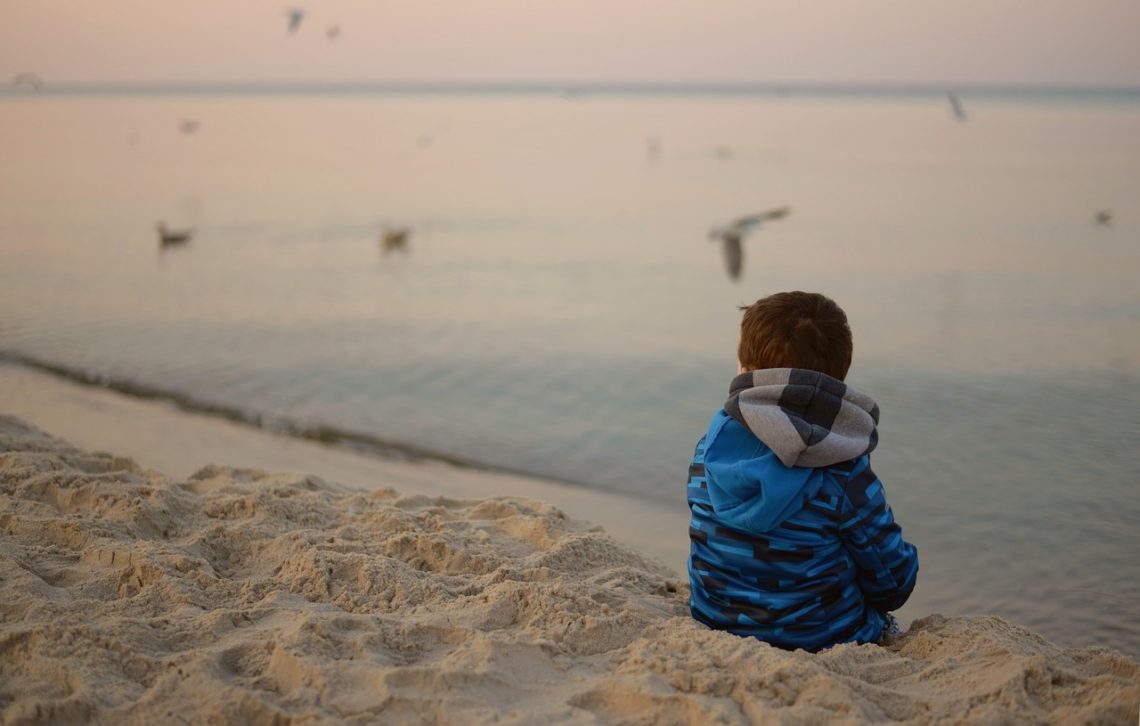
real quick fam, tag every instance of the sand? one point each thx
(236, 595)
(177, 442)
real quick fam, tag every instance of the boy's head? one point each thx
(795, 330)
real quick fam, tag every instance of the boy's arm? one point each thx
(887, 565)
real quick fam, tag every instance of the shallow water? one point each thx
(560, 310)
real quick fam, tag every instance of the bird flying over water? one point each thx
(295, 15)
(188, 125)
(1103, 216)
(652, 147)
(956, 107)
(732, 235)
(333, 32)
(168, 237)
(395, 238)
(31, 80)
(427, 138)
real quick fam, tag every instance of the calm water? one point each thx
(561, 311)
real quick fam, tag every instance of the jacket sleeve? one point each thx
(886, 564)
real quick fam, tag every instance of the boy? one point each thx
(791, 538)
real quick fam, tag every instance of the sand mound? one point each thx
(241, 596)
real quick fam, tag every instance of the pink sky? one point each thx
(872, 41)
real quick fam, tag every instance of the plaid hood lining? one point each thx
(807, 418)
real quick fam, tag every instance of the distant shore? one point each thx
(571, 89)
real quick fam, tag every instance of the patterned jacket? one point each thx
(791, 537)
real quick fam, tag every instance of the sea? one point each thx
(560, 310)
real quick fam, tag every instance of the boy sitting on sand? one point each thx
(792, 540)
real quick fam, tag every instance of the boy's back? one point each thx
(792, 540)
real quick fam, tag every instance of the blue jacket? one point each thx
(791, 537)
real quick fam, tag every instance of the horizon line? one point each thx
(565, 87)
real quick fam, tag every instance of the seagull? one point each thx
(731, 235)
(427, 138)
(956, 107)
(188, 125)
(296, 15)
(395, 238)
(333, 32)
(652, 147)
(1104, 217)
(168, 237)
(28, 79)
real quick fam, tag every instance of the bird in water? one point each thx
(1103, 216)
(395, 238)
(168, 237)
(732, 236)
(652, 147)
(295, 15)
(31, 80)
(956, 107)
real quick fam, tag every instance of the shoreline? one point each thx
(348, 439)
(160, 434)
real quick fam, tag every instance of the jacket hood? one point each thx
(806, 417)
(778, 426)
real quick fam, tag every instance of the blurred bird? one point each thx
(28, 79)
(1103, 216)
(427, 138)
(333, 32)
(295, 15)
(188, 125)
(956, 107)
(732, 235)
(168, 237)
(652, 147)
(395, 238)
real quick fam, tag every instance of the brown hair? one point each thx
(795, 330)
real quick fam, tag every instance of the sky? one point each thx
(1061, 42)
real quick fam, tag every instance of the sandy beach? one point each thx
(240, 595)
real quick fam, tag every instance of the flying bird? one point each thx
(427, 138)
(732, 236)
(652, 147)
(395, 238)
(333, 32)
(168, 237)
(956, 107)
(295, 15)
(1103, 216)
(188, 125)
(31, 80)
